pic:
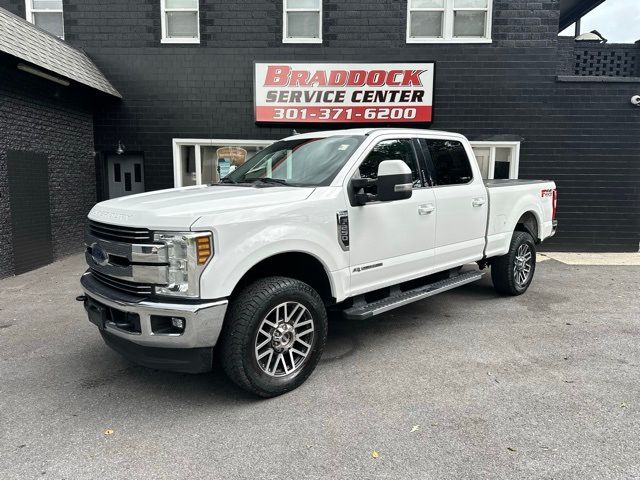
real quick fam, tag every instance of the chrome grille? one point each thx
(122, 285)
(116, 233)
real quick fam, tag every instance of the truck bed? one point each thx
(508, 201)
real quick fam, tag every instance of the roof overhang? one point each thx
(572, 10)
(49, 55)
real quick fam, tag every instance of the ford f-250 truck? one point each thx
(359, 221)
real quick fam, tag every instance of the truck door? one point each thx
(461, 203)
(390, 241)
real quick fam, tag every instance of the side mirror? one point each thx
(360, 197)
(395, 181)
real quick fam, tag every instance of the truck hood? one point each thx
(179, 208)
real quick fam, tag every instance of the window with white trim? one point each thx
(180, 21)
(449, 21)
(499, 160)
(302, 21)
(46, 14)
(203, 161)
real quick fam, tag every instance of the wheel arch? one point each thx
(529, 222)
(302, 266)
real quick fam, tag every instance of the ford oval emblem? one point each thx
(99, 255)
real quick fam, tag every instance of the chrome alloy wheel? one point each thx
(522, 265)
(284, 339)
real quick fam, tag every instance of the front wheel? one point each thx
(512, 273)
(274, 336)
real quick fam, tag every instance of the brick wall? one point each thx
(38, 116)
(591, 147)
(598, 59)
(258, 23)
(566, 56)
(205, 91)
(16, 7)
(584, 136)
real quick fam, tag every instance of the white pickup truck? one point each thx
(357, 221)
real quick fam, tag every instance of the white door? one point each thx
(461, 203)
(390, 241)
(483, 157)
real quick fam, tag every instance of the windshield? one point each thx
(299, 162)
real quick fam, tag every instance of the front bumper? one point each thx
(186, 360)
(188, 351)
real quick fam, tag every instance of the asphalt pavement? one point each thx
(466, 384)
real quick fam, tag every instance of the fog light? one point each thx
(177, 323)
(161, 325)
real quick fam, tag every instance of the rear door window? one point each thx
(449, 160)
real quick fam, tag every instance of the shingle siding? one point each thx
(38, 116)
(584, 136)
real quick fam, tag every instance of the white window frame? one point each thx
(204, 142)
(163, 23)
(30, 11)
(447, 27)
(514, 164)
(285, 24)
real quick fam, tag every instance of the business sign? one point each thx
(343, 92)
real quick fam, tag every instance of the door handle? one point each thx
(426, 209)
(478, 202)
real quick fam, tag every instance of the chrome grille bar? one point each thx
(123, 285)
(119, 234)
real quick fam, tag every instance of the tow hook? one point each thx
(81, 298)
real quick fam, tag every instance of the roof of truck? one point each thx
(369, 131)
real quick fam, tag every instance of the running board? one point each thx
(368, 310)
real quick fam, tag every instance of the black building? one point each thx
(532, 103)
(48, 91)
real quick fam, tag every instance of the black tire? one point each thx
(506, 270)
(240, 336)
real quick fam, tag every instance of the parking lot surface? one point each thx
(463, 385)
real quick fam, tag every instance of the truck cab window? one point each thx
(450, 161)
(400, 149)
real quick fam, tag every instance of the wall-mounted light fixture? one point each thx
(41, 74)
(120, 149)
(592, 36)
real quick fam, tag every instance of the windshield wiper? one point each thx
(230, 181)
(276, 181)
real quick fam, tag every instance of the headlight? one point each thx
(188, 253)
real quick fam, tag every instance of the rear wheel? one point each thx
(512, 273)
(274, 336)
